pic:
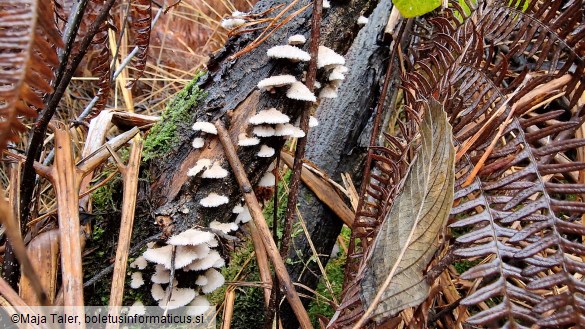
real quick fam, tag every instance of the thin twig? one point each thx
(260, 221)
(130, 174)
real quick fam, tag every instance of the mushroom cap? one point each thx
(276, 81)
(224, 227)
(300, 92)
(200, 165)
(267, 180)
(297, 39)
(326, 4)
(215, 280)
(237, 209)
(336, 75)
(327, 57)
(288, 52)
(239, 14)
(157, 292)
(139, 263)
(313, 122)
(328, 92)
(244, 216)
(137, 309)
(184, 255)
(219, 263)
(244, 140)
(205, 126)
(190, 237)
(179, 297)
(263, 131)
(198, 142)
(265, 151)
(270, 116)
(286, 129)
(204, 263)
(161, 275)
(137, 280)
(199, 305)
(201, 280)
(213, 200)
(215, 171)
(362, 20)
(230, 23)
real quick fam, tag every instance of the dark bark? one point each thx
(233, 97)
(339, 145)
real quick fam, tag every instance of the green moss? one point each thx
(464, 265)
(335, 272)
(163, 136)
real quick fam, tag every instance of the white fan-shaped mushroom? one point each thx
(204, 263)
(244, 140)
(137, 280)
(201, 280)
(276, 81)
(198, 306)
(362, 20)
(263, 131)
(267, 180)
(300, 92)
(214, 281)
(157, 292)
(200, 165)
(297, 39)
(328, 92)
(204, 126)
(270, 116)
(224, 227)
(230, 23)
(215, 171)
(198, 142)
(161, 275)
(288, 52)
(244, 216)
(179, 297)
(137, 309)
(326, 57)
(190, 237)
(266, 151)
(313, 122)
(139, 263)
(213, 200)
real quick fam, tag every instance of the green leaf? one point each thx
(408, 238)
(413, 8)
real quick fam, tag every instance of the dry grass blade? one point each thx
(406, 243)
(43, 251)
(262, 261)
(66, 181)
(13, 234)
(28, 36)
(130, 178)
(228, 310)
(324, 191)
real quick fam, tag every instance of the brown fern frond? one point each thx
(141, 18)
(29, 40)
(493, 68)
(100, 64)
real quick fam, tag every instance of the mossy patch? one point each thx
(163, 136)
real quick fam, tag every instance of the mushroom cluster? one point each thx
(190, 250)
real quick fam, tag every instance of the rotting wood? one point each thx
(130, 184)
(263, 230)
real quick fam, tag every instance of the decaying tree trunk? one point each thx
(339, 145)
(233, 97)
